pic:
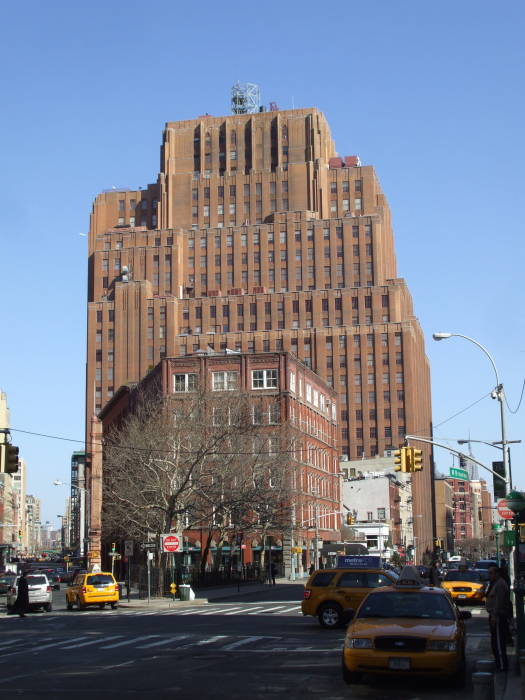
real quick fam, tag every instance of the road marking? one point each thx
(128, 641)
(98, 640)
(247, 611)
(240, 643)
(176, 638)
(211, 640)
(54, 644)
(278, 607)
(231, 610)
(295, 607)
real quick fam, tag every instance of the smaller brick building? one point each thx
(282, 392)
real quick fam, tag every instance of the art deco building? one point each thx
(258, 237)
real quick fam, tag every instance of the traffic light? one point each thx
(20, 533)
(349, 519)
(400, 460)
(11, 459)
(417, 460)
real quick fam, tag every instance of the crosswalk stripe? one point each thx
(240, 643)
(128, 641)
(295, 607)
(55, 643)
(266, 610)
(91, 641)
(161, 642)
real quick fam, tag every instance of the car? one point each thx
(96, 588)
(406, 629)
(6, 582)
(485, 564)
(40, 593)
(465, 585)
(330, 593)
(54, 580)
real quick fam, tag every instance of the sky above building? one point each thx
(430, 94)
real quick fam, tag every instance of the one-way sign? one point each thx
(148, 545)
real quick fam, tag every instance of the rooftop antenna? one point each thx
(245, 98)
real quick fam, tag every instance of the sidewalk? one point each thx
(204, 595)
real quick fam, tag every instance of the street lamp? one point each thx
(496, 394)
(516, 503)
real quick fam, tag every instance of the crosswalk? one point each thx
(227, 609)
(140, 643)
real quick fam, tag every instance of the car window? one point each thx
(323, 579)
(412, 605)
(472, 576)
(377, 580)
(99, 580)
(352, 579)
(36, 580)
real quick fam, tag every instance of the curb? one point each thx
(162, 603)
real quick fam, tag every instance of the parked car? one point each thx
(92, 589)
(40, 593)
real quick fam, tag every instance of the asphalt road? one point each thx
(252, 646)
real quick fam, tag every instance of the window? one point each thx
(225, 381)
(184, 382)
(352, 579)
(381, 515)
(264, 378)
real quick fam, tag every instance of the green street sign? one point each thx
(509, 538)
(496, 526)
(456, 473)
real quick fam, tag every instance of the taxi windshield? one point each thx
(415, 605)
(472, 576)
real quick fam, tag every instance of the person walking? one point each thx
(499, 609)
(21, 604)
(434, 577)
(274, 573)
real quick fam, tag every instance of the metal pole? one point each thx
(149, 576)
(129, 577)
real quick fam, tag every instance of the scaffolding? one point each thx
(245, 98)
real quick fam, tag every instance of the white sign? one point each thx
(172, 543)
(128, 548)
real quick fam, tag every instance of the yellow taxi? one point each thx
(406, 629)
(465, 586)
(96, 588)
(329, 594)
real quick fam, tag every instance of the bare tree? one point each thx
(202, 461)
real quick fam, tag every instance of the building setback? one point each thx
(257, 236)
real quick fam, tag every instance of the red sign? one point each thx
(503, 510)
(171, 543)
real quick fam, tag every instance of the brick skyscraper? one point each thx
(257, 236)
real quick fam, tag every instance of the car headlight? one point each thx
(358, 643)
(441, 645)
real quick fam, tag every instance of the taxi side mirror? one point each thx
(465, 614)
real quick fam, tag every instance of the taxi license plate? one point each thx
(462, 595)
(399, 664)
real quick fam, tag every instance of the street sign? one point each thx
(496, 527)
(172, 543)
(128, 548)
(509, 538)
(148, 545)
(503, 511)
(456, 473)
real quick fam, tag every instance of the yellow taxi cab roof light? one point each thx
(409, 578)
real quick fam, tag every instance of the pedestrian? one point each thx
(434, 577)
(499, 609)
(274, 573)
(21, 605)
(311, 569)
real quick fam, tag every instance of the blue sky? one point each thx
(431, 94)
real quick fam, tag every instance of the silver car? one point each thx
(40, 592)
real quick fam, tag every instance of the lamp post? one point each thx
(516, 503)
(496, 394)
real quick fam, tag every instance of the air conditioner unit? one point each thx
(343, 458)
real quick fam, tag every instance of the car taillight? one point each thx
(307, 594)
(49, 589)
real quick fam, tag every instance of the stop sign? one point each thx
(171, 543)
(503, 510)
